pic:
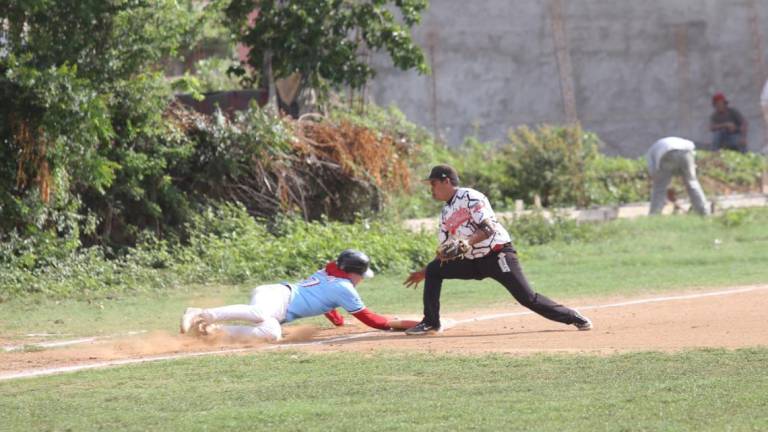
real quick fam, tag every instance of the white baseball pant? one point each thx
(267, 309)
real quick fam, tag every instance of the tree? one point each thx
(83, 99)
(326, 40)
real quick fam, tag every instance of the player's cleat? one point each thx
(422, 329)
(189, 320)
(584, 323)
(209, 329)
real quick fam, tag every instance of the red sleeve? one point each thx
(372, 320)
(335, 317)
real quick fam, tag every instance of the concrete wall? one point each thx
(632, 71)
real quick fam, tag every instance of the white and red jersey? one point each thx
(461, 216)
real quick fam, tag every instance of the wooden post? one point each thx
(519, 206)
(683, 77)
(432, 52)
(563, 56)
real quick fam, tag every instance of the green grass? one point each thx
(74, 318)
(627, 257)
(709, 390)
(696, 390)
(653, 254)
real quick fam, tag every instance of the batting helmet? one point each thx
(354, 261)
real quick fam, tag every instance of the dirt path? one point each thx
(735, 320)
(732, 318)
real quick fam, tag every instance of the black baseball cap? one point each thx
(440, 172)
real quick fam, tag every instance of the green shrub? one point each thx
(539, 162)
(732, 170)
(484, 167)
(536, 228)
(735, 217)
(226, 245)
(617, 180)
(227, 242)
(212, 74)
(82, 101)
(145, 152)
(562, 165)
(551, 162)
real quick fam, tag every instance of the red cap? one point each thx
(719, 97)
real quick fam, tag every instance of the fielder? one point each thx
(473, 245)
(273, 305)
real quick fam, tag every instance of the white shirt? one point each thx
(662, 146)
(764, 95)
(461, 216)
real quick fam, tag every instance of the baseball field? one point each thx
(680, 343)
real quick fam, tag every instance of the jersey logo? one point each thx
(453, 222)
(311, 281)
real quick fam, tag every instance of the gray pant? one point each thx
(724, 140)
(677, 162)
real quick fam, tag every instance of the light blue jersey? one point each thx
(319, 294)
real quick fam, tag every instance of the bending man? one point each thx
(669, 157)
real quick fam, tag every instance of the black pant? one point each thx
(493, 266)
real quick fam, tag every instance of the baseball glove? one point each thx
(452, 249)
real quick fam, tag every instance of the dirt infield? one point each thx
(733, 320)
(728, 318)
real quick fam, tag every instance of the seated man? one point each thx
(728, 126)
(272, 305)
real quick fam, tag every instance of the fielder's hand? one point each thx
(452, 249)
(414, 278)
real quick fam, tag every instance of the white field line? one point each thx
(57, 370)
(322, 341)
(46, 334)
(75, 368)
(621, 304)
(63, 369)
(56, 344)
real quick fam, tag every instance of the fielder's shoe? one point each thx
(190, 321)
(584, 323)
(422, 329)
